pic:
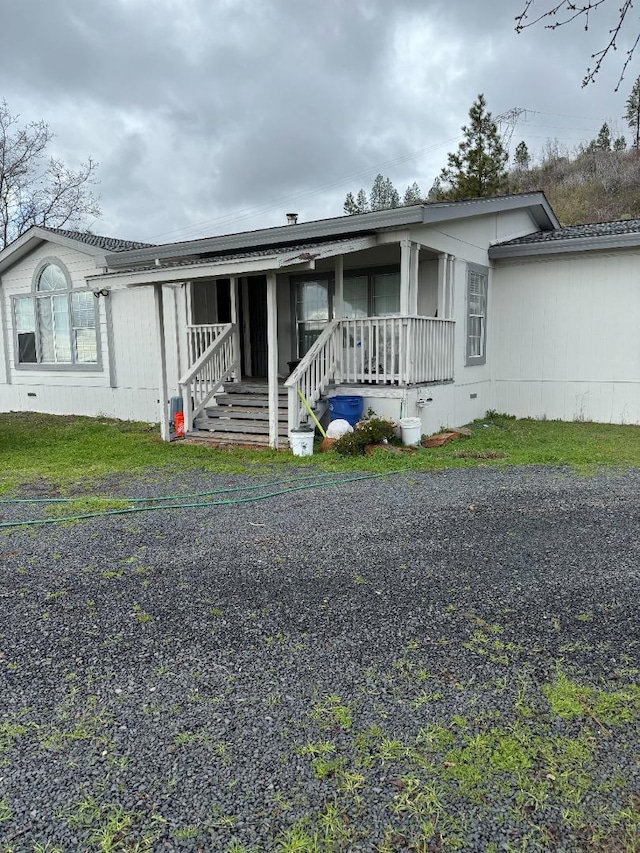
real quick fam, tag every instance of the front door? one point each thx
(257, 326)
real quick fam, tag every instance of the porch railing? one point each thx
(219, 361)
(374, 351)
(397, 350)
(200, 337)
(314, 373)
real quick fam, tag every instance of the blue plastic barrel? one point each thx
(347, 408)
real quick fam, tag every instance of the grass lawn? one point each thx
(69, 450)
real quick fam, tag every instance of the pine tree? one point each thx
(412, 195)
(620, 144)
(362, 201)
(603, 140)
(350, 207)
(383, 194)
(632, 115)
(478, 169)
(522, 158)
(392, 196)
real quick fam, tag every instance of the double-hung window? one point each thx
(477, 279)
(55, 325)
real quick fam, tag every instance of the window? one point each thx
(477, 278)
(374, 295)
(55, 325)
(312, 312)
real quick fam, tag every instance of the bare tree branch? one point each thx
(585, 9)
(37, 191)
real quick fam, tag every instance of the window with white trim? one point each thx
(55, 325)
(477, 279)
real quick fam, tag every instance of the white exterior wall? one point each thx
(566, 337)
(131, 349)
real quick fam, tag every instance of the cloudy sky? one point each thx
(211, 116)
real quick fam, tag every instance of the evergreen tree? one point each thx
(603, 140)
(522, 158)
(412, 195)
(478, 168)
(383, 194)
(362, 201)
(620, 144)
(632, 115)
(360, 204)
(350, 207)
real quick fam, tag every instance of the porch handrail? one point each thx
(200, 336)
(314, 373)
(206, 376)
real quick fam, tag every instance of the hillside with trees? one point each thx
(595, 182)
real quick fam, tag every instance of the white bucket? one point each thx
(411, 430)
(301, 442)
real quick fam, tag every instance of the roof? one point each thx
(91, 244)
(289, 258)
(596, 235)
(339, 227)
(108, 244)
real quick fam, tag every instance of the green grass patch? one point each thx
(569, 700)
(67, 451)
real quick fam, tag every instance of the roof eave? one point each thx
(34, 237)
(575, 244)
(536, 203)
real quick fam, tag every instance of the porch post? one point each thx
(413, 279)
(233, 294)
(443, 277)
(272, 357)
(450, 286)
(338, 300)
(405, 275)
(162, 373)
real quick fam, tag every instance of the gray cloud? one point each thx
(200, 111)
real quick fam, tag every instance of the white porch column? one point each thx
(338, 299)
(413, 279)
(233, 294)
(272, 358)
(450, 286)
(443, 275)
(405, 275)
(162, 371)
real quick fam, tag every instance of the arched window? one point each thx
(55, 324)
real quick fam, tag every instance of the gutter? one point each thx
(572, 244)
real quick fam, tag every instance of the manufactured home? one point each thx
(438, 311)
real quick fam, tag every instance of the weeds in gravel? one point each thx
(333, 713)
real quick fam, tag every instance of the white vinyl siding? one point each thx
(477, 279)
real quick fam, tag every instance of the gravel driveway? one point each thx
(421, 662)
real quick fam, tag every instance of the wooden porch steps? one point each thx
(240, 415)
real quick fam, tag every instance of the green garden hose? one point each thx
(153, 500)
(226, 502)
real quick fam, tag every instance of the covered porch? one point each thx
(372, 310)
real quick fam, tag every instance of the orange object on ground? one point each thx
(179, 424)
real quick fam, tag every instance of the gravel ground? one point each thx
(420, 662)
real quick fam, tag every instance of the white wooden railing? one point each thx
(200, 338)
(219, 362)
(315, 371)
(397, 350)
(373, 350)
